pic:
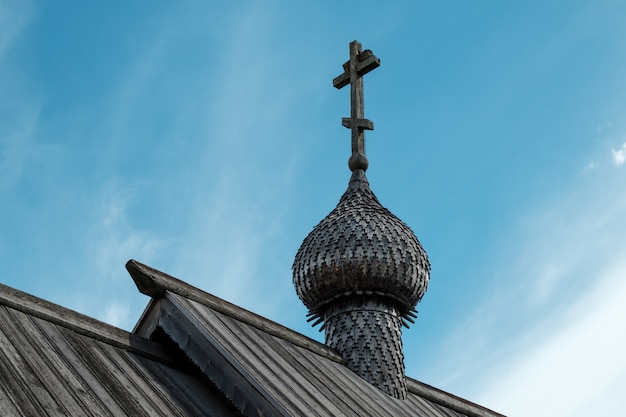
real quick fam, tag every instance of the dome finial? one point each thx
(359, 64)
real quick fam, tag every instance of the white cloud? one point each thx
(589, 167)
(619, 155)
(549, 340)
(112, 239)
(116, 314)
(570, 362)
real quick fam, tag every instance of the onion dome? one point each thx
(361, 248)
(361, 271)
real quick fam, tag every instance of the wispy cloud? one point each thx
(553, 347)
(619, 155)
(589, 167)
(112, 239)
(241, 181)
(19, 110)
(14, 14)
(570, 363)
(116, 314)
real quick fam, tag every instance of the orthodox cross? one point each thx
(360, 63)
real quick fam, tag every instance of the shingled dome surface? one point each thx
(360, 247)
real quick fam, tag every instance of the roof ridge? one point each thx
(155, 283)
(82, 324)
(449, 400)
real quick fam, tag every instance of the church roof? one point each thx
(56, 362)
(191, 354)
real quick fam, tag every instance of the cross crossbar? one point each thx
(367, 62)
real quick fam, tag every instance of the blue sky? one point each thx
(205, 140)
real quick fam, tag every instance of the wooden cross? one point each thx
(360, 63)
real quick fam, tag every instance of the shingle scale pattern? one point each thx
(367, 333)
(360, 247)
(360, 272)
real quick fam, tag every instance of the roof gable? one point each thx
(267, 369)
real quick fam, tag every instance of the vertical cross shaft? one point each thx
(360, 63)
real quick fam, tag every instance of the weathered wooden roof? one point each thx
(191, 354)
(56, 362)
(267, 369)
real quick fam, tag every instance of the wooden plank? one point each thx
(264, 353)
(19, 354)
(366, 64)
(139, 386)
(192, 393)
(53, 369)
(362, 123)
(64, 340)
(101, 378)
(337, 386)
(358, 394)
(13, 383)
(341, 80)
(216, 362)
(8, 407)
(251, 355)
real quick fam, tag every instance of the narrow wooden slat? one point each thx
(327, 386)
(258, 349)
(358, 394)
(53, 370)
(346, 388)
(65, 344)
(8, 406)
(252, 352)
(139, 385)
(369, 63)
(103, 377)
(32, 393)
(195, 397)
(12, 385)
(216, 361)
